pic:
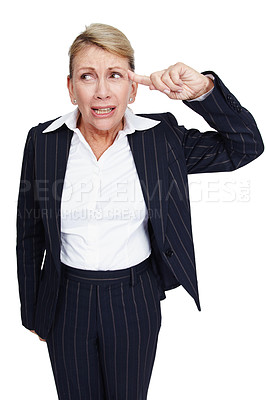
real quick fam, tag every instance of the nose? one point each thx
(102, 90)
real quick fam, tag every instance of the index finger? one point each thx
(142, 79)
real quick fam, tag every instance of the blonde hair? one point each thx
(106, 37)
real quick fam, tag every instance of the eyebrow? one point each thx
(109, 69)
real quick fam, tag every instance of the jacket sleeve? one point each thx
(235, 142)
(30, 244)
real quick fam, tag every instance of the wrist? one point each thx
(206, 87)
(209, 84)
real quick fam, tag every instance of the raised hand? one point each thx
(178, 82)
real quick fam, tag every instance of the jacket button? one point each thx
(169, 253)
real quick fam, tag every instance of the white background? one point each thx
(220, 352)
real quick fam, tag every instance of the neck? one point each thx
(98, 137)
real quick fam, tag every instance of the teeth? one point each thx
(103, 110)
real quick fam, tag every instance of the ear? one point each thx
(70, 89)
(133, 91)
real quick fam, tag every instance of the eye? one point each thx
(116, 75)
(87, 77)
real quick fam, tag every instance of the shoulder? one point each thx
(167, 119)
(168, 130)
(169, 125)
(43, 125)
(163, 117)
(37, 130)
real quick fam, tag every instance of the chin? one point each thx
(106, 124)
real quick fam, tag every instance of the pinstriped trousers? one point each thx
(103, 341)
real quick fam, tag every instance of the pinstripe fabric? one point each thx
(103, 342)
(30, 237)
(235, 142)
(163, 156)
(38, 222)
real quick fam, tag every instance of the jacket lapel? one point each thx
(150, 155)
(63, 142)
(54, 147)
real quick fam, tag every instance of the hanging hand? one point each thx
(43, 340)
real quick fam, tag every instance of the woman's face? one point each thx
(101, 88)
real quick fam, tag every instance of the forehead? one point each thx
(97, 58)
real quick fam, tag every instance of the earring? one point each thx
(75, 101)
(130, 99)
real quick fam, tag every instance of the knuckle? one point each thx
(154, 75)
(179, 64)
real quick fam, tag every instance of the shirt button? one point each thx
(169, 253)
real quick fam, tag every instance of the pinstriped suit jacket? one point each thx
(163, 155)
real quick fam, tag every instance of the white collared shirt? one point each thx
(104, 218)
(103, 213)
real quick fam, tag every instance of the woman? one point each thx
(104, 194)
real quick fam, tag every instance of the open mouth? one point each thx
(103, 111)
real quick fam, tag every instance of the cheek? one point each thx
(123, 93)
(84, 93)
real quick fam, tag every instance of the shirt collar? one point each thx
(132, 122)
